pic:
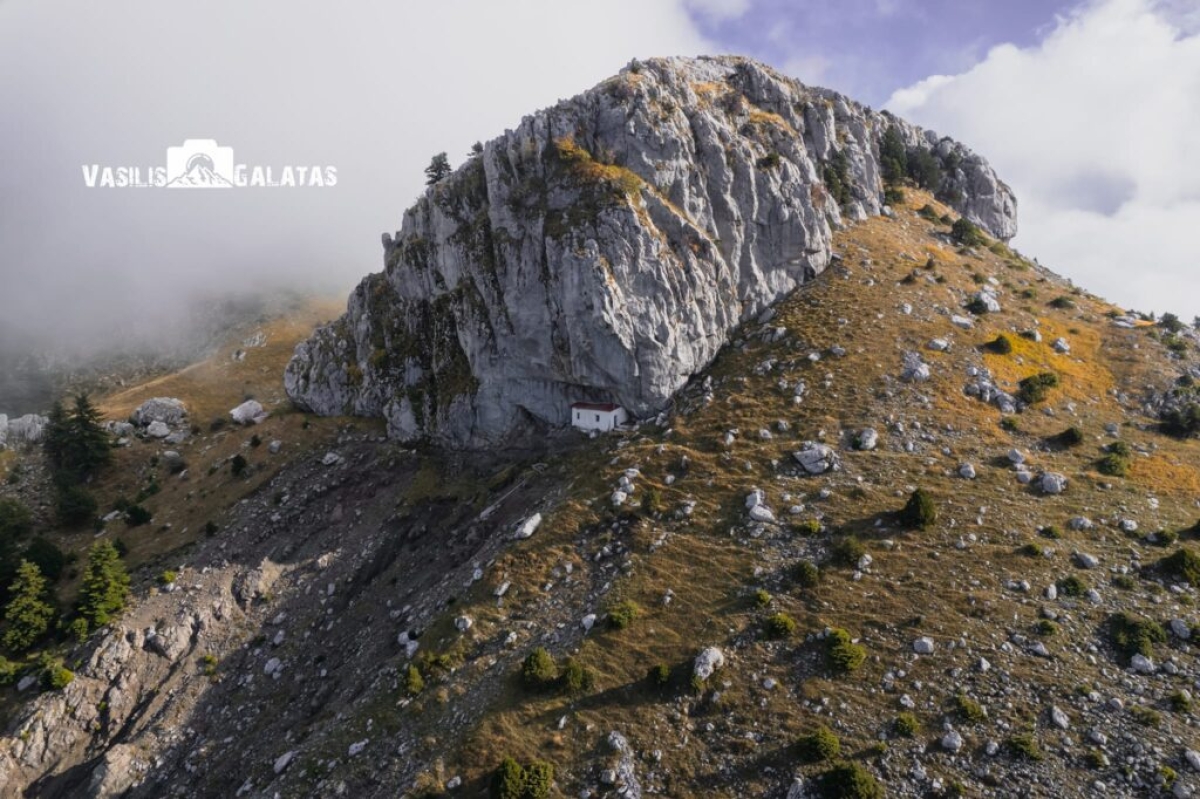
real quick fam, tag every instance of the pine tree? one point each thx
(28, 615)
(893, 156)
(105, 585)
(438, 168)
(91, 442)
(56, 437)
(76, 442)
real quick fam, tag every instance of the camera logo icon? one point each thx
(199, 164)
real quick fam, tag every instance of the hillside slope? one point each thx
(995, 657)
(605, 248)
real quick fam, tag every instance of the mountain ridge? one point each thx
(603, 249)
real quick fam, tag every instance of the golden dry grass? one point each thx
(929, 583)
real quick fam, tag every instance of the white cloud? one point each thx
(1096, 128)
(372, 87)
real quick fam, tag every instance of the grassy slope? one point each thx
(948, 583)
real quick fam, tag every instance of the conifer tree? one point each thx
(28, 615)
(105, 585)
(438, 168)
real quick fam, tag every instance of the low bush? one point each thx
(414, 683)
(538, 670)
(1062, 303)
(576, 677)
(136, 516)
(1000, 345)
(1113, 465)
(818, 745)
(780, 625)
(807, 574)
(1023, 746)
(920, 512)
(968, 710)
(906, 725)
(847, 550)
(762, 598)
(843, 654)
(849, 781)
(1071, 437)
(1130, 635)
(659, 675)
(967, 233)
(1036, 388)
(1183, 564)
(623, 614)
(1073, 586)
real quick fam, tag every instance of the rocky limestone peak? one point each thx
(605, 248)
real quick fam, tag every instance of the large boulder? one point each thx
(817, 458)
(168, 410)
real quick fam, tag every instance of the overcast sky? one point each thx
(1090, 111)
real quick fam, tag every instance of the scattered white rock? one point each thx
(529, 526)
(158, 429)
(923, 646)
(967, 471)
(817, 458)
(248, 413)
(1053, 483)
(284, 760)
(708, 661)
(1142, 664)
(1086, 561)
(357, 747)
(1059, 718)
(952, 741)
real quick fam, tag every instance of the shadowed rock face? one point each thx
(605, 249)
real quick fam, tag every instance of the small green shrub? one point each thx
(208, 665)
(238, 465)
(1124, 582)
(49, 559)
(659, 675)
(780, 625)
(1145, 716)
(1046, 627)
(1180, 701)
(1052, 532)
(136, 516)
(414, 683)
(167, 577)
(807, 574)
(1182, 422)
(577, 678)
(847, 550)
(509, 780)
(1183, 564)
(893, 195)
(1113, 465)
(1071, 437)
(906, 725)
(1031, 550)
(762, 598)
(920, 512)
(977, 306)
(16, 520)
(1131, 635)
(1036, 388)
(538, 670)
(968, 710)
(849, 781)
(1062, 303)
(1073, 586)
(769, 161)
(55, 676)
(1023, 746)
(818, 745)
(1000, 345)
(1010, 424)
(623, 614)
(967, 233)
(808, 527)
(539, 780)
(843, 654)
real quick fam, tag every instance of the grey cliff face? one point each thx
(604, 250)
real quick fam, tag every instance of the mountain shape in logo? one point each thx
(200, 173)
